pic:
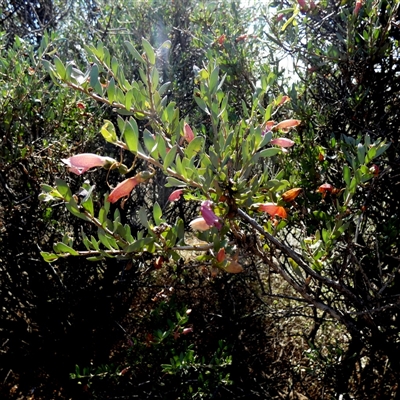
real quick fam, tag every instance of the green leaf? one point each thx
(346, 174)
(131, 135)
(111, 90)
(108, 132)
(49, 257)
(157, 214)
(194, 147)
(149, 140)
(59, 67)
(64, 189)
(172, 182)
(143, 217)
(361, 153)
(170, 157)
(63, 248)
(270, 152)
(94, 79)
(149, 51)
(138, 245)
(134, 52)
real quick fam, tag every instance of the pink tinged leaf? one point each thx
(199, 224)
(287, 124)
(175, 195)
(273, 210)
(234, 267)
(221, 255)
(208, 214)
(188, 133)
(284, 100)
(123, 189)
(80, 163)
(282, 142)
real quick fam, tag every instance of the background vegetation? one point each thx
(147, 328)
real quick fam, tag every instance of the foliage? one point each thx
(285, 183)
(232, 170)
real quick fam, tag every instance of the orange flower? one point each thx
(291, 194)
(273, 209)
(287, 124)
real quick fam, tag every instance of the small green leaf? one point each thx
(108, 132)
(131, 135)
(63, 189)
(59, 67)
(111, 90)
(157, 213)
(172, 182)
(361, 153)
(170, 157)
(63, 248)
(143, 217)
(49, 257)
(149, 51)
(346, 174)
(194, 147)
(134, 52)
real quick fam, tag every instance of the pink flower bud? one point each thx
(187, 330)
(282, 142)
(210, 218)
(188, 133)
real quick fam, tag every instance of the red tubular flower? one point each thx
(175, 195)
(273, 210)
(80, 163)
(282, 142)
(358, 6)
(123, 189)
(209, 217)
